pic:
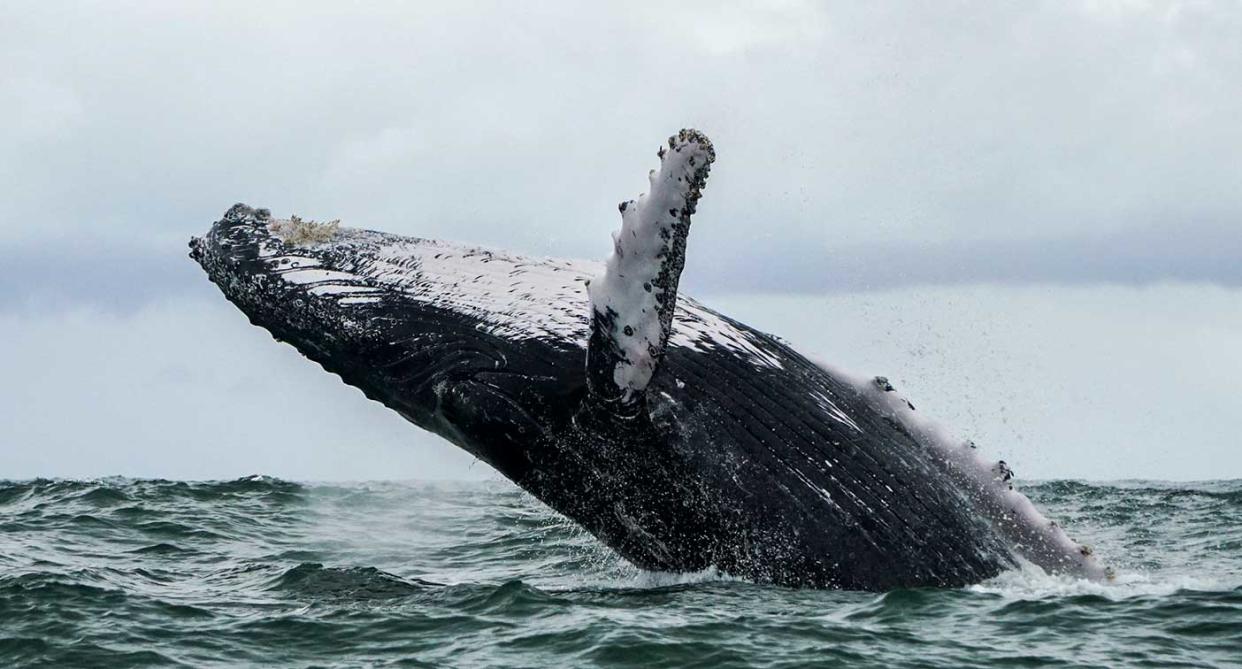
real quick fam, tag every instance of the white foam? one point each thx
(664, 579)
(1029, 582)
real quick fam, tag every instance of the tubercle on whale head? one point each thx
(223, 238)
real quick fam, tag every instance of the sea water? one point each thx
(270, 573)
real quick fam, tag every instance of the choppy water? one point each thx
(262, 572)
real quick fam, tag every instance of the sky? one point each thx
(1030, 213)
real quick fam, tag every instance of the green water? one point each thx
(265, 573)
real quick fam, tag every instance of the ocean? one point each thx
(262, 572)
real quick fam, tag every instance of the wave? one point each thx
(358, 583)
(111, 491)
(264, 572)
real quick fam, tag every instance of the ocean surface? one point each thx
(269, 573)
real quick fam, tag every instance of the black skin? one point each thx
(722, 464)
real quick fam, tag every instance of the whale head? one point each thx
(443, 334)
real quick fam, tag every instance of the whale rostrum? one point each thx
(677, 436)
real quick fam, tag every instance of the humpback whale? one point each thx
(679, 437)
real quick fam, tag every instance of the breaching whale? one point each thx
(679, 437)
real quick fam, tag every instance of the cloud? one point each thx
(120, 279)
(102, 275)
(838, 125)
(35, 110)
(1205, 250)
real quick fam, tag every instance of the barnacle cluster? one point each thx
(299, 232)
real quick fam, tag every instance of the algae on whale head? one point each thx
(297, 231)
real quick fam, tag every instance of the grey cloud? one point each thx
(50, 277)
(42, 277)
(1022, 142)
(1211, 253)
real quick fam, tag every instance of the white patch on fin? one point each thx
(634, 295)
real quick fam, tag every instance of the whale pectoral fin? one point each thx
(632, 303)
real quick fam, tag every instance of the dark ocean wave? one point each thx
(263, 572)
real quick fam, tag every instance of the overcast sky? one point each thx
(867, 151)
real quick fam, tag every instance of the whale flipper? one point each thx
(632, 302)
